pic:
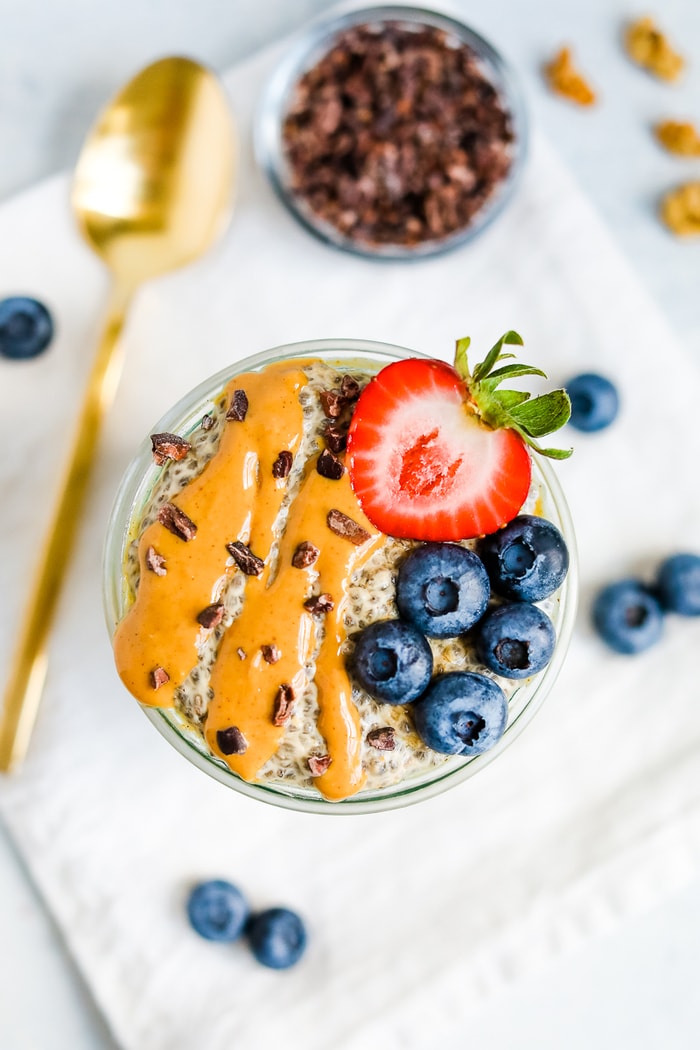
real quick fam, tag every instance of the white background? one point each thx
(59, 61)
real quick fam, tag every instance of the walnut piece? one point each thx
(649, 48)
(563, 78)
(680, 210)
(678, 137)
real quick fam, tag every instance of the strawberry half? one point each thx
(436, 453)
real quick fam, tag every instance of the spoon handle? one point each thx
(29, 663)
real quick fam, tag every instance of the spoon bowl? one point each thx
(152, 189)
(152, 186)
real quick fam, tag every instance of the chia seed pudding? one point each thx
(392, 753)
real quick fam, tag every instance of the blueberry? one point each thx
(527, 560)
(217, 910)
(461, 713)
(392, 661)
(594, 401)
(627, 616)
(678, 584)
(515, 640)
(442, 589)
(26, 327)
(277, 937)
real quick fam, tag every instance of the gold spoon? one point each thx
(152, 190)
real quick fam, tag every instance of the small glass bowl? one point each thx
(132, 497)
(307, 49)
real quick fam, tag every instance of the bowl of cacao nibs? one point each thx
(392, 132)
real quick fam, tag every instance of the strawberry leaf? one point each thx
(461, 363)
(556, 453)
(544, 414)
(550, 453)
(508, 399)
(512, 372)
(508, 339)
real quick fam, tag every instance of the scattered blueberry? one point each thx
(442, 589)
(217, 910)
(392, 661)
(515, 640)
(26, 327)
(527, 560)
(594, 401)
(277, 937)
(678, 584)
(461, 713)
(627, 616)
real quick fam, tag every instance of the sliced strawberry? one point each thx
(422, 463)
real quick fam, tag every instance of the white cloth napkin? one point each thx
(417, 916)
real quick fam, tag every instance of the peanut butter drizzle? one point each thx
(339, 721)
(235, 497)
(244, 691)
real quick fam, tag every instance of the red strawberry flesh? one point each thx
(422, 464)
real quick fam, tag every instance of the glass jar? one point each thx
(315, 41)
(132, 498)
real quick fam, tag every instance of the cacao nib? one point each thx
(168, 446)
(319, 604)
(349, 388)
(155, 562)
(270, 653)
(231, 741)
(212, 615)
(382, 739)
(332, 403)
(177, 522)
(283, 464)
(238, 408)
(207, 422)
(284, 700)
(244, 558)
(318, 764)
(342, 525)
(335, 438)
(329, 466)
(159, 676)
(305, 555)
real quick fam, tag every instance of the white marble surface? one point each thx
(58, 63)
